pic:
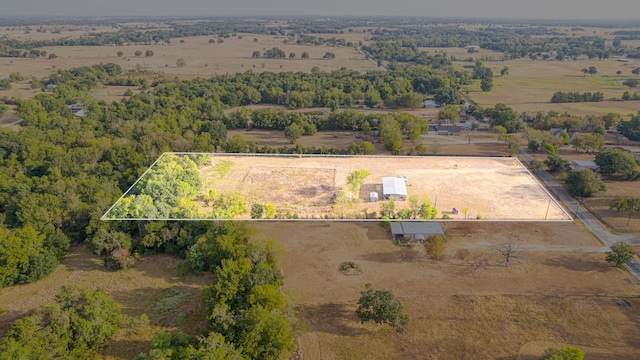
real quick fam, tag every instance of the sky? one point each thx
(519, 9)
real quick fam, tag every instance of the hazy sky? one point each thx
(547, 9)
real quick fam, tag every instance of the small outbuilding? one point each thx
(373, 196)
(415, 230)
(395, 187)
(584, 164)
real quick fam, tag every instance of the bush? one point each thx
(566, 353)
(435, 246)
(351, 268)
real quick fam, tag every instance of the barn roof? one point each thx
(416, 228)
(394, 186)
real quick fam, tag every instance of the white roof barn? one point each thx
(395, 187)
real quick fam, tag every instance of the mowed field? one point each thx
(531, 84)
(466, 306)
(490, 188)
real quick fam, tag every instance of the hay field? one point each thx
(530, 85)
(491, 188)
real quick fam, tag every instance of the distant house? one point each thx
(415, 230)
(444, 130)
(430, 104)
(584, 164)
(77, 109)
(395, 187)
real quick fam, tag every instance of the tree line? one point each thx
(574, 97)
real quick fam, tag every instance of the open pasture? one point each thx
(201, 58)
(530, 85)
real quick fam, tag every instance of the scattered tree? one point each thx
(584, 183)
(435, 247)
(138, 53)
(305, 55)
(149, 53)
(620, 254)
(181, 63)
(293, 132)
(381, 307)
(120, 54)
(617, 162)
(509, 251)
(257, 210)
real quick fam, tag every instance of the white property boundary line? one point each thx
(551, 197)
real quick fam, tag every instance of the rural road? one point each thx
(587, 219)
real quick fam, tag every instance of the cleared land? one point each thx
(488, 188)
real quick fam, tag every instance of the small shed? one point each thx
(373, 196)
(415, 230)
(395, 187)
(430, 104)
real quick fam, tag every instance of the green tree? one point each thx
(120, 53)
(138, 53)
(329, 55)
(293, 132)
(80, 322)
(556, 163)
(366, 147)
(381, 307)
(257, 210)
(616, 161)
(504, 71)
(292, 55)
(450, 112)
(593, 70)
(356, 179)
(435, 247)
(584, 183)
(256, 54)
(620, 254)
(237, 144)
(486, 84)
(372, 98)
(305, 55)
(228, 206)
(388, 208)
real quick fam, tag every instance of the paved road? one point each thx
(583, 215)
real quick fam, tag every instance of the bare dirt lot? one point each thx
(465, 306)
(491, 188)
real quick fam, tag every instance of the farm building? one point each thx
(444, 129)
(584, 164)
(414, 230)
(395, 187)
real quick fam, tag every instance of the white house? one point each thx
(395, 187)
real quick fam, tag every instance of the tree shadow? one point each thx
(473, 263)
(578, 264)
(331, 318)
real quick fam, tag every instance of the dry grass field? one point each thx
(202, 58)
(465, 306)
(490, 188)
(530, 85)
